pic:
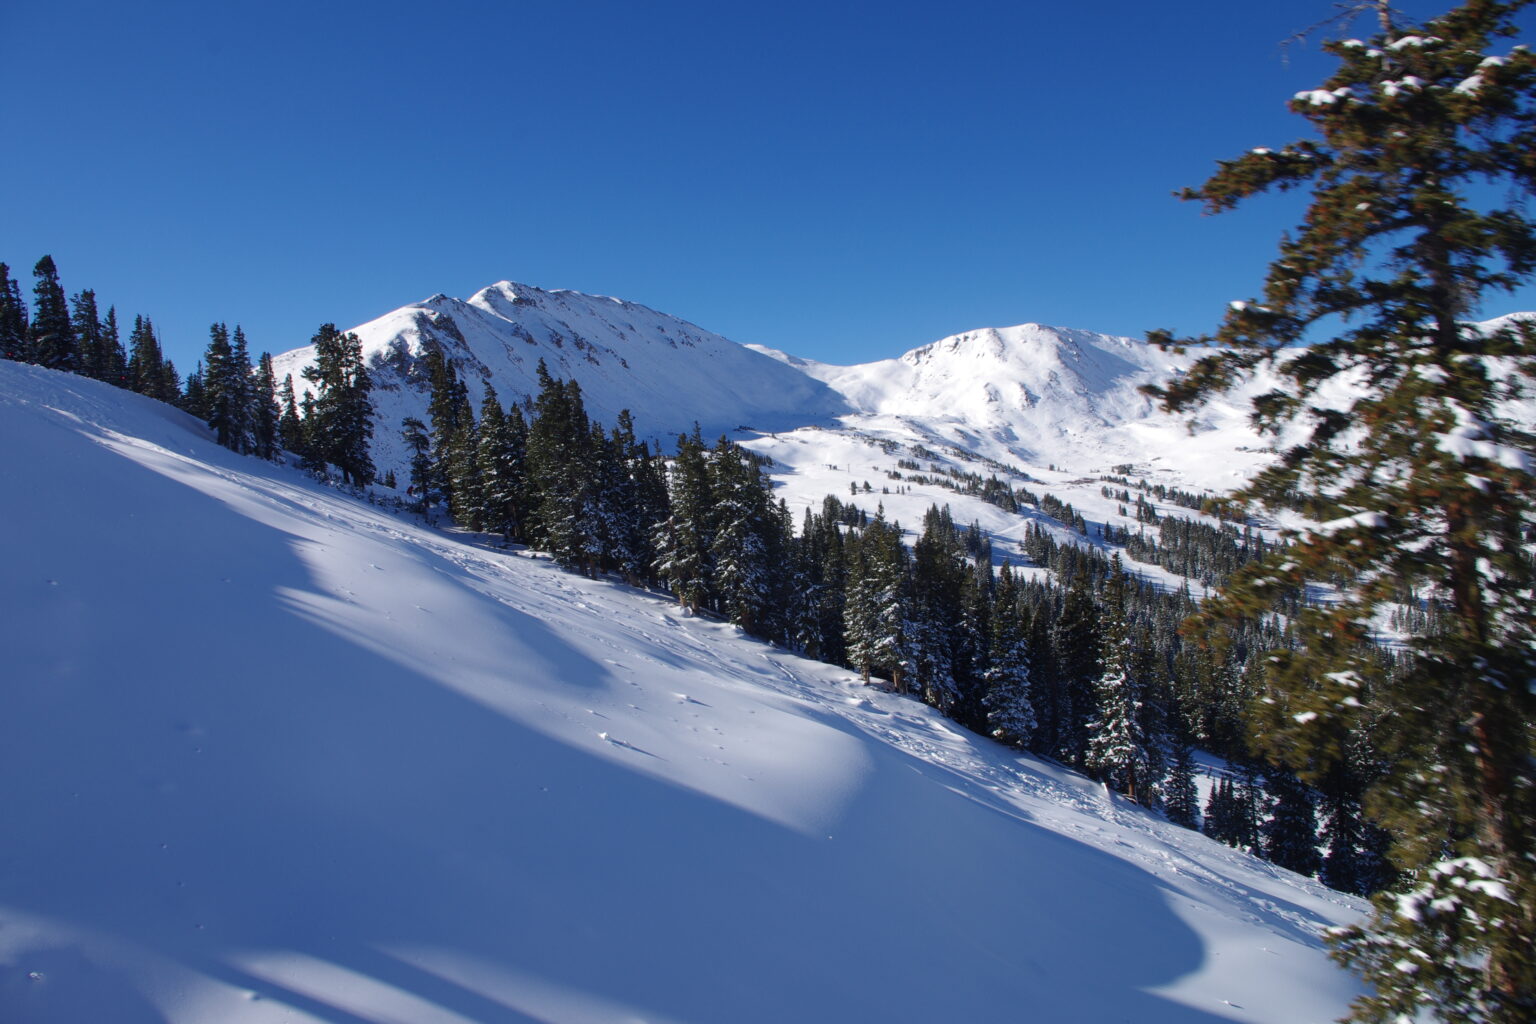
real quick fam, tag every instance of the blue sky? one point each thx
(844, 181)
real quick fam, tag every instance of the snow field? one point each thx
(275, 755)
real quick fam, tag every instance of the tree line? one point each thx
(243, 404)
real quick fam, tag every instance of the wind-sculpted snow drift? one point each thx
(272, 754)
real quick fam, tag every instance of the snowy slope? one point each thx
(666, 371)
(274, 755)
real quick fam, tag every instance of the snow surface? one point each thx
(276, 755)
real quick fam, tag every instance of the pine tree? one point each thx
(221, 392)
(1075, 647)
(339, 424)
(1181, 799)
(876, 611)
(739, 549)
(290, 428)
(195, 399)
(414, 433)
(636, 502)
(13, 319)
(1290, 834)
(52, 336)
(1122, 751)
(1424, 484)
(265, 413)
(502, 461)
(467, 506)
(92, 357)
(1009, 707)
(145, 363)
(449, 400)
(114, 366)
(684, 540)
(561, 457)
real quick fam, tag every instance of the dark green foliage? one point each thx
(502, 459)
(1075, 646)
(225, 398)
(564, 517)
(744, 549)
(52, 336)
(1009, 701)
(684, 541)
(1423, 136)
(1181, 800)
(876, 625)
(265, 413)
(339, 420)
(290, 428)
(92, 358)
(419, 444)
(1124, 745)
(13, 319)
(1290, 833)
(149, 372)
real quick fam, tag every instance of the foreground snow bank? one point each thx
(273, 755)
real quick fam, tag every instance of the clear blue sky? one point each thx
(844, 181)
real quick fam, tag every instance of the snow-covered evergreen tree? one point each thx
(1009, 705)
(1121, 750)
(743, 522)
(685, 539)
(877, 627)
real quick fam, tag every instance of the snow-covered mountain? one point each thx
(274, 755)
(1033, 403)
(667, 372)
(1044, 403)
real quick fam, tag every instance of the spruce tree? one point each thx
(1290, 833)
(219, 400)
(1423, 483)
(145, 362)
(561, 457)
(1181, 799)
(339, 423)
(877, 626)
(52, 336)
(265, 415)
(685, 538)
(1009, 707)
(114, 364)
(92, 359)
(414, 433)
(501, 458)
(739, 549)
(290, 428)
(1075, 650)
(448, 402)
(13, 318)
(1122, 751)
